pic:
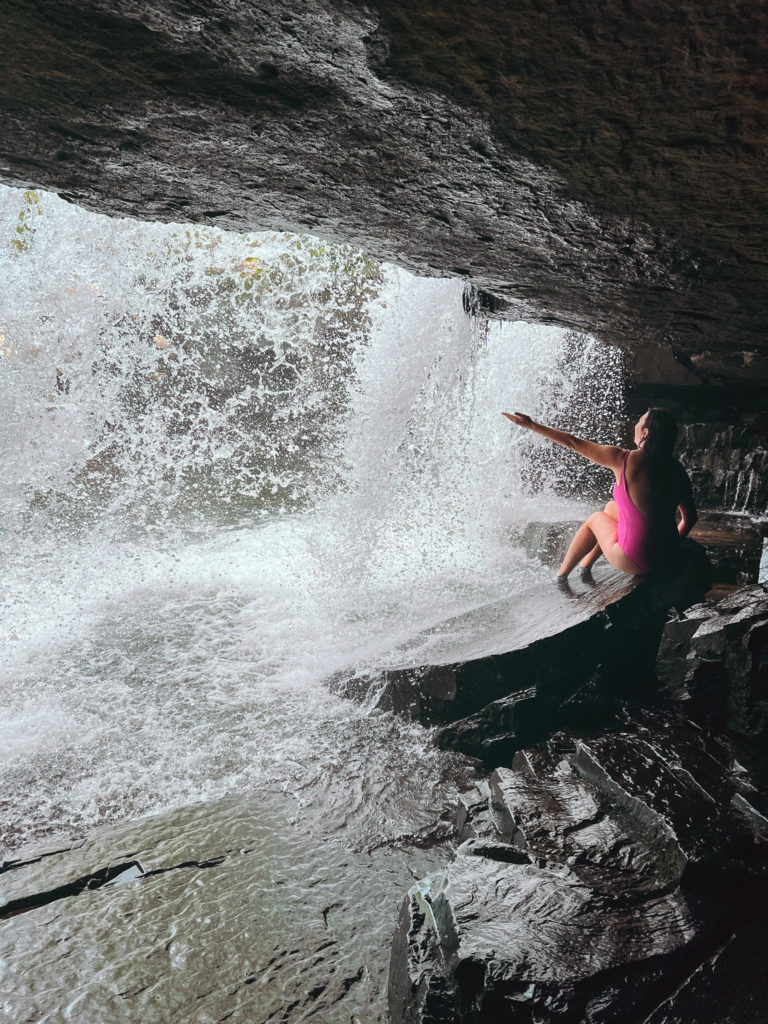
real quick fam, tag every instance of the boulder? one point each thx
(493, 940)
(717, 657)
(597, 880)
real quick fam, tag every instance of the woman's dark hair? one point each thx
(662, 434)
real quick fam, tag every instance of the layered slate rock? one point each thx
(598, 881)
(655, 823)
(598, 166)
(716, 656)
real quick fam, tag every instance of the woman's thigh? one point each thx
(605, 529)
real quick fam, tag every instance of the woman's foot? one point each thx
(563, 584)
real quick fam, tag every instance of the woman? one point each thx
(637, 532)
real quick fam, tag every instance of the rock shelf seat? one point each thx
(508, 672)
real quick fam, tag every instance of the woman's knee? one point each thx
(612, 510)
(604, 527)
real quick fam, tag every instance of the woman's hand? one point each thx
(520, 419)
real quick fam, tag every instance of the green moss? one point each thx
(26, 228)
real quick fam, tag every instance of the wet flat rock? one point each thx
(552, 639)
(225, 911)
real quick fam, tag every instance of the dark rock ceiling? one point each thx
(600, 165)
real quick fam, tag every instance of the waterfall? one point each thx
(234, 466)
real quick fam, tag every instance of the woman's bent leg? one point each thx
(612, 510)
(581, 545)
(592, 557)
(600, 529)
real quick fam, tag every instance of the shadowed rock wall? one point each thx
(595, 165)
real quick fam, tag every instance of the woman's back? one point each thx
(656, 486)
(639, 532)
(648, 494)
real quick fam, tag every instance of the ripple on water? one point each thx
(248, 910)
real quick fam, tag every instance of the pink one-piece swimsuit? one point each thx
(647, 542)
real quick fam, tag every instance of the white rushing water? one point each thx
(234, 466)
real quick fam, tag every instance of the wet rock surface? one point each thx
(601, 169)
(527, 940)
(723, 988)
(598, 168)
(617, 870)
(226, 911)
(631, 865)
(733, 543)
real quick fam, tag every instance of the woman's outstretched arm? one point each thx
(603, 454)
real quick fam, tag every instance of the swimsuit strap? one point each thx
(623, 477)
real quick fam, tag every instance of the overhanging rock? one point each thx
(598, 166)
